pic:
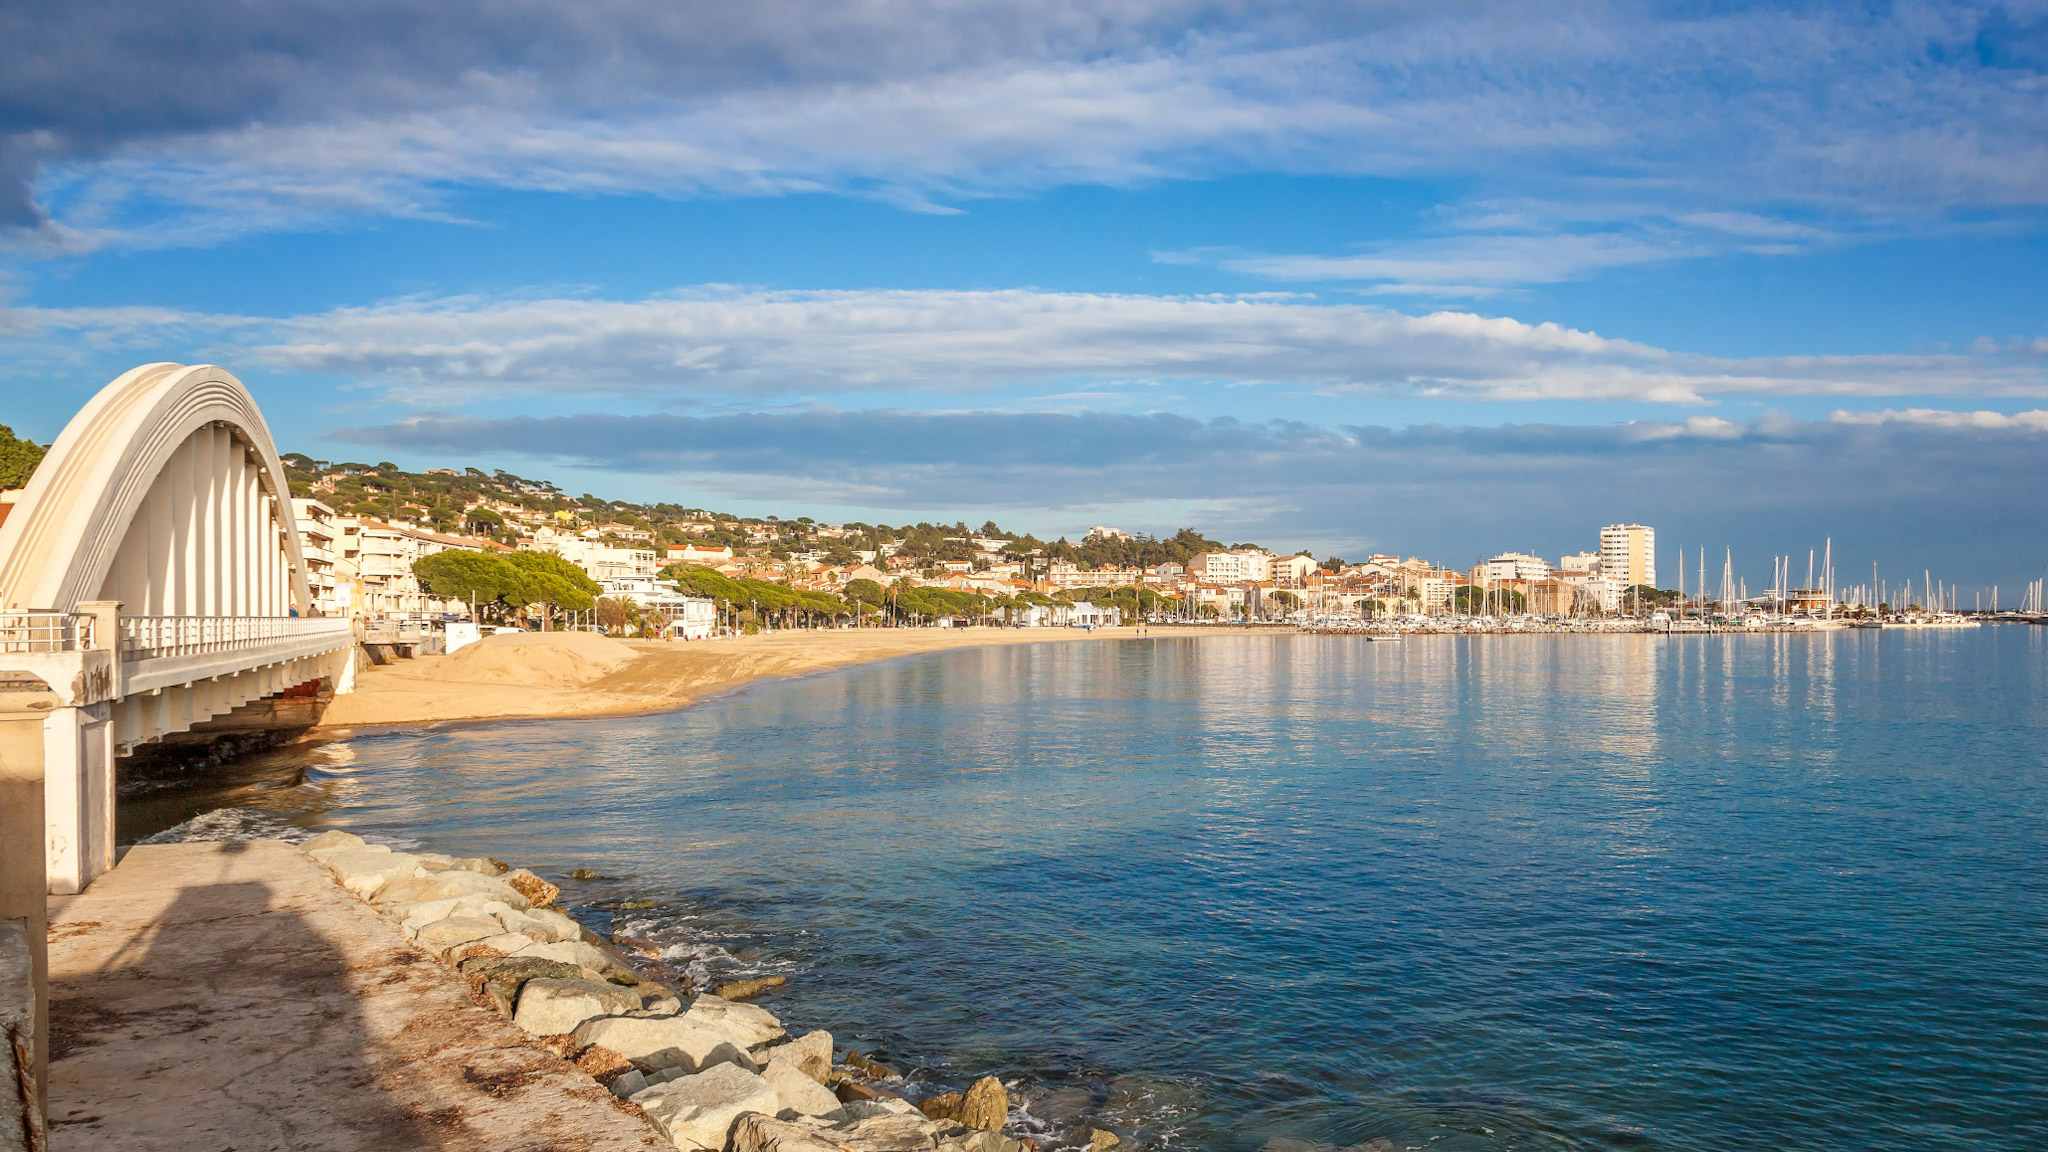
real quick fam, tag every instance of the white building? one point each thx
(1241, 566)
(1580, 562)
(688, 617)
(317, 534)
(1510, 566)
(1102, 532)
(699, 554)
(1597, 588)
(1628, 554)
(600, 562)
(1293, 571)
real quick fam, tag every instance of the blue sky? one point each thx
(1442, 279)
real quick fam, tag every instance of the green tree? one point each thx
(18, 459)
(479, 577)
(546, 579)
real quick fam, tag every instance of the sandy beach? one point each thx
(568, 674)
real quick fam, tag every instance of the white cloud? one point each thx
(1711, 119)
(728, 343)
(2035, 420)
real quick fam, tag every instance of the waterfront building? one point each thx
(1510, 566)
(1628, 554)
(1234, 567)
(685, 617)
(1588, 562)
(1294, 571)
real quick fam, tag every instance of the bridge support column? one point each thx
(78, 796)
(23, 882)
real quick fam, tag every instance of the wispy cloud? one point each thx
(747, 345)
(299, 112)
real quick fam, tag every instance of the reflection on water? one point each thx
(1594, 892)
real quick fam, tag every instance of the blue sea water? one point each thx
(1508, 892)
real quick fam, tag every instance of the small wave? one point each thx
(224, 825)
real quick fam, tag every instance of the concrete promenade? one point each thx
(207, 997)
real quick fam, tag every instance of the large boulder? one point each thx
(986, 1105)
(550, 1007)
(498, 979)
(698, 1111)
(756, 1132)
(750, 1024)
(665, 1042)
(424, 914)
(454, 882)
(797, 1091)
(328, 843)
(891, 1133)
(811, 1052)
(458, 929)
(545, 925)
(573, 952)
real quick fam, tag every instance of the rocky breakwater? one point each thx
(717, 1075)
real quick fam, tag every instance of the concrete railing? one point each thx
(153, 637)
(23, 632)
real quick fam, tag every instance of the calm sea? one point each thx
(1515, 892)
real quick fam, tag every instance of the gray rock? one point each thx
(549, 926)
(327, 843)
(750, 1024)
(630, 1083)
(879, 1106)
(458, 929)
(756, 1132)
(698, 1111)
(454, 882)
(432, 910)
(572, 952)
(555, 1007)
(797, 1091)
(959, 1139)
(811, 1052)
(664, 1042)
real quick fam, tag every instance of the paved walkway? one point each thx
(234, 998)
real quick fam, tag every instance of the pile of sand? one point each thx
(537, 660)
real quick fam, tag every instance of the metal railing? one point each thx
(44, 632)
(148, 637)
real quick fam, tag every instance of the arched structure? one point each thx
(165, 493)
(150, 580)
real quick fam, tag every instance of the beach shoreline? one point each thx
(565, 675)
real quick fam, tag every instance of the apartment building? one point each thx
(1628, 554)
(599, 561)
(1244, 565)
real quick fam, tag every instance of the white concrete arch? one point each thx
(166, 493)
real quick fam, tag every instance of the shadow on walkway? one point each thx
(208, 997)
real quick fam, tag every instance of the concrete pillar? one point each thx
(24, 884)
(78, 796)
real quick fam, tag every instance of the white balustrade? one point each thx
(28, 632)
(151, 637)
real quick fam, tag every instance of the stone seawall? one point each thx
(711, 1074)
(340, 995)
